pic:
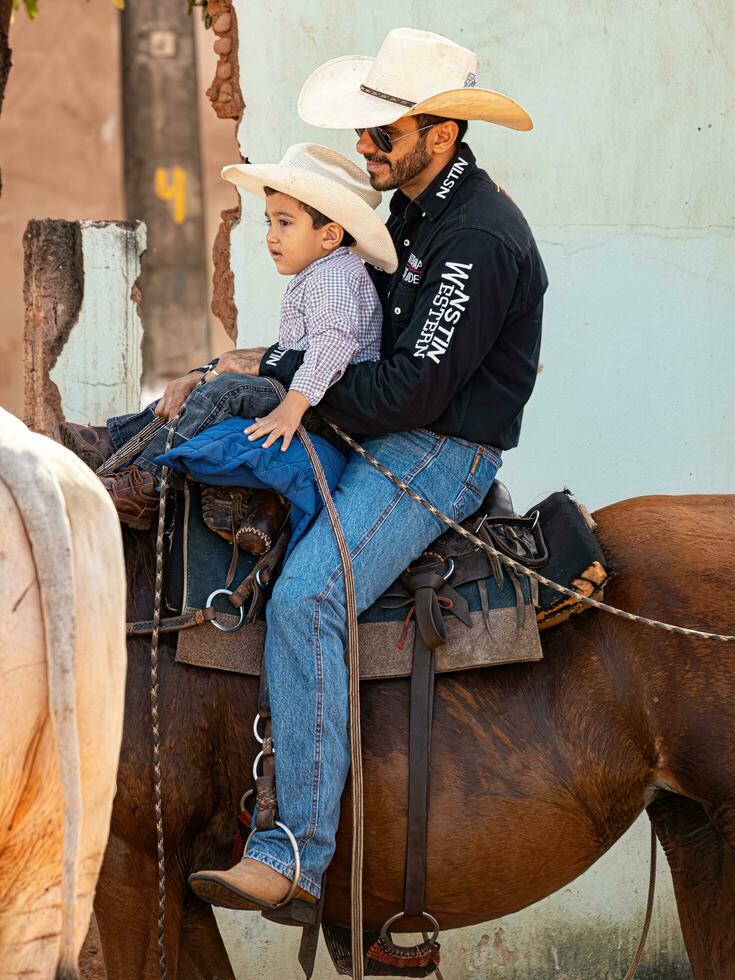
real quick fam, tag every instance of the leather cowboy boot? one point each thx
(134, 492)
(250, 885)
(262, 522)
(91, 443)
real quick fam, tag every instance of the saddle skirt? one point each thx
(491, 617)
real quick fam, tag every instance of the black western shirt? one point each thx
(461, 318)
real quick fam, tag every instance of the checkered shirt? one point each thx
(332, 312)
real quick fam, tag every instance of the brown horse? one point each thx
(536, 769)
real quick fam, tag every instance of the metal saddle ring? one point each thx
(219, 626)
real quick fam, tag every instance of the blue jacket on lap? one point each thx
(222, 455)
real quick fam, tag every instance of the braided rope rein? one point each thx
(522, 569)
(154, 689)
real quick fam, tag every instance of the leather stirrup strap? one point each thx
(265, 784)
(430, 633)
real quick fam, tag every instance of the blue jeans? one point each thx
(307, 633)
(224, 397)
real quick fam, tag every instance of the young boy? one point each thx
(321, 225)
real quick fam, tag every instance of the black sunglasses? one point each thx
(383, 141)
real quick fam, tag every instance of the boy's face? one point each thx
(292, 240)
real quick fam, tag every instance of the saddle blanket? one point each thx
(504, 628)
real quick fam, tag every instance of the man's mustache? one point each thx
(371, 158)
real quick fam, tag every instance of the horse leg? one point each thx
(203, 955)
(126, 907)
(703, 870)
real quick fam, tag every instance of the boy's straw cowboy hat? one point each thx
(327, 181)
(414, 72)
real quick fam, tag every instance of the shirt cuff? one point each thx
(206, 367)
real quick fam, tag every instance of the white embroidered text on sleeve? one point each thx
(448, 306)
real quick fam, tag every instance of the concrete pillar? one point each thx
(83, 329)
(163, 181)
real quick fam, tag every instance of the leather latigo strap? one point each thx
(172, 624)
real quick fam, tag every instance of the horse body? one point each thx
(537, 769)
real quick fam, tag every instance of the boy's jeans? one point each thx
(224, 397)
(307, 632)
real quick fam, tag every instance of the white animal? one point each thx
(62, 679)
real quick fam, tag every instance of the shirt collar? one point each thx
(306, 272)
(441, 190)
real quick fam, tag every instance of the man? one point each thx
(460, 346)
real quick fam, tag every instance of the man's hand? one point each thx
(282, 421)
(175, 394)
(241, 361)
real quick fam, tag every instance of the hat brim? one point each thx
(332, 99)
(373, 242)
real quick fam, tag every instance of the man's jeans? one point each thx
(307, 631)
(224, 397)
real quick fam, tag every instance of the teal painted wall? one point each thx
(627, 182)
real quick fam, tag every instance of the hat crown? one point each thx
(316, 159)
(413, 65)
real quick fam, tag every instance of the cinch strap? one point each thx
(386, 97)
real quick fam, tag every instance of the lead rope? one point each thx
(522, 569)
(494, 553)
(353, 663)
(649, 910)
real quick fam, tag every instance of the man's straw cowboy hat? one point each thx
(327, 181)
(414, 72)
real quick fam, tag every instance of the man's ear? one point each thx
(445, 136)
(332, 235)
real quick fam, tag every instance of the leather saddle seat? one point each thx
(498, 502)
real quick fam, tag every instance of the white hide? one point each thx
(62, 679)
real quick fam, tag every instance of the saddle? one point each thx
(468, 611)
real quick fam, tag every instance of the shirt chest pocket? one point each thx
(402, 303)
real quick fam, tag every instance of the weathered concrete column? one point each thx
(163, 181)
(83, 330)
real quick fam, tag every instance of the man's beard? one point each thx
(403, 170)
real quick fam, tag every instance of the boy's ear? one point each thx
(332, 235)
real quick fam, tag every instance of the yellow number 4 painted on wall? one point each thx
(170, 186)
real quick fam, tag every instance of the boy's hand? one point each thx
(282, 421)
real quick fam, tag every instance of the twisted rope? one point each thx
(522, 569)
(155, 727)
